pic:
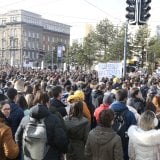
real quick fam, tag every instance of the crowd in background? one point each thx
(79, 113)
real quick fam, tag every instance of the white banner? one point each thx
(109, 70)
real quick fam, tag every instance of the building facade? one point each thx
(27, 37)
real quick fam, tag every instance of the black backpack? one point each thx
(119, 124)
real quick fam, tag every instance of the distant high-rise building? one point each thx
(88, 28)
(26, 36)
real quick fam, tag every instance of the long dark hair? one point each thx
(41, 97)
(76, 110)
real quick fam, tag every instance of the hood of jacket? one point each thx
(103, 135)
(118, 106)
(39, 111)
(144, 138)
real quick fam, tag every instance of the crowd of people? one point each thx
(51, 115)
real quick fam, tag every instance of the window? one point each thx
(35, 55)
(15, 32)
(29, 44)
(3, 21)
(43, 47)
(37, 35)
(29, 34)
(13, 19)
(12, 32)
(3, 43)
(43, 38)
(4, 34)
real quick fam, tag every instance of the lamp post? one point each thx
(125, 50)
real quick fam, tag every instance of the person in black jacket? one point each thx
(56, 100)
(136, 101)
(56, 136)
(16, 113)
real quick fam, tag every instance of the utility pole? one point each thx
(21, 49)
(125, 50)
(52, 58)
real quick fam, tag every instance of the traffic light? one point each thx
(132, 11)
(144, 9)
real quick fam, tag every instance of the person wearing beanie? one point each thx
(79, 96)
(107, 100)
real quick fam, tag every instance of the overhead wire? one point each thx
(101, 10)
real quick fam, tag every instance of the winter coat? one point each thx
(103, 144)
(60, 107)
(143, 145)
(99, 109)
(8, 148)
(130, 120)
(15, 117)
(56, 136)
(78, 130)
(121, 106)
(95, 95)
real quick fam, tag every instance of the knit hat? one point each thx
(108, 98)
(79, 94)
(72, 98)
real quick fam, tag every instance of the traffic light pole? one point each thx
(125, 50)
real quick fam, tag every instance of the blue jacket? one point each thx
(121, 106)
(130, 120)
(15, 117)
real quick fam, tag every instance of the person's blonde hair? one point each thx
(146, 121)
(29, 99)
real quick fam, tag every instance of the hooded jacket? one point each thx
(103, 143)
(8, 148)
(143, 145)
(129, 120)
(77, 130)
(120, 107)
(57, 138)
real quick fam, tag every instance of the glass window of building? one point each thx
(37, 35)
(4, 34)
(29, 34)
(43, 37)
(43, 46)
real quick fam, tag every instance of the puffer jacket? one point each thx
(8, 148)
(143, 145)
(103, 144)
(56, 136)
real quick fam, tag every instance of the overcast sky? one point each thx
(78, 12)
